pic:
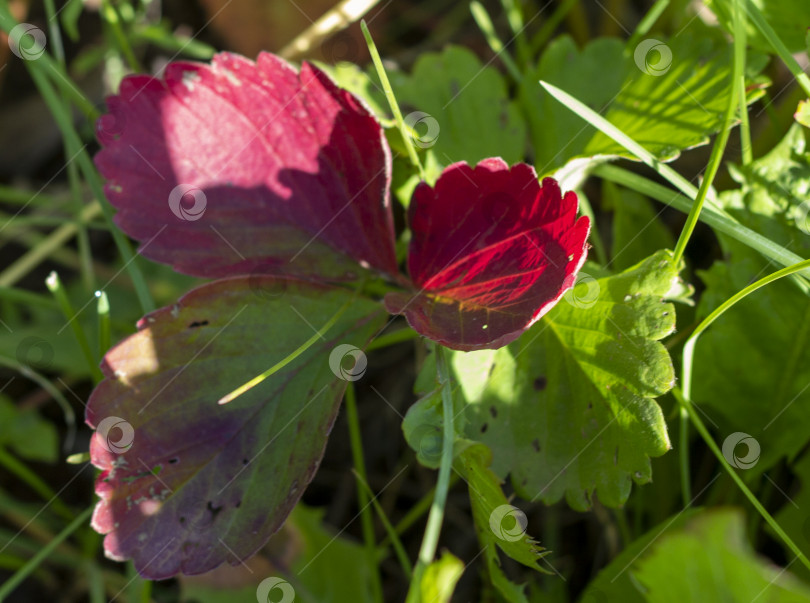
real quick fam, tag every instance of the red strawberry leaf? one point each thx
(491, 252)
(187, 484)
(237, 167)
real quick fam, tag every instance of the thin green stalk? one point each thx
(415, 513)
(720, 221)
(85, 255)
(34, 482)
(363, 499)
(683, 458)
(383, 341)
(67, 410)
(19, 196)
(745, 126)
(738, 65)
(608, 129)
(595, 237)
(393, 538)
(514, 15)
(65, 123)
(289, 358)
(684, 396)
(12, 583)
(776, 43)
(704, 433)
(112, 17)
(93, 179)
(54, 285)
(646, 23)
(33, 257)
(430, 540)
(392, 101)
(484, 23)
(103, 312)
(547, 29)
(27, 298)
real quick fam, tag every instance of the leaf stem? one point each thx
(722, 138)
(363, 499)
(704, 433)
(430, 540)
(54, 285)
(392, 101)
(684, 396)
(484, 23)
(9, 585)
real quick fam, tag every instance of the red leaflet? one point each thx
(223, 169)
(492, 251)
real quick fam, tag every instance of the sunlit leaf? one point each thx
(186, 483)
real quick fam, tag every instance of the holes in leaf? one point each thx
(540, 383)
(197, 323)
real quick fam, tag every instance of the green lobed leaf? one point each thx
(463, 96)
(666, 94)
(710, 559)
(753, 365)
(569, 408)
(440, 579)
(498, 524)
(788, 18)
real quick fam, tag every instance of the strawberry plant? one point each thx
(568, 268)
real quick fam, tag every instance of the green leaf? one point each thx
(615, 582)
(593, 75)
(802, 114)
(440, 579)
(205, 460)
(637, 229)
(27, 434)
(667, 95)
(469, 104)
(788, 18)
(495, 518)
(323, 567)
(753, 365)
(569, 409)
(711, 560)
(794, 516)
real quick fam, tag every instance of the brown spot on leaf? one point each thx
(540, 383)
